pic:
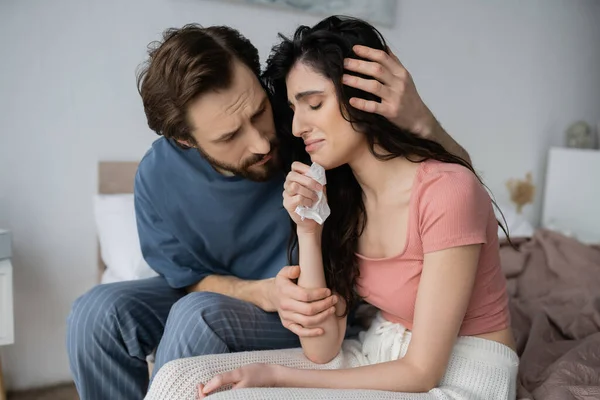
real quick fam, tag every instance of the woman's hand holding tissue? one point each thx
(303, 308)
(302, 192)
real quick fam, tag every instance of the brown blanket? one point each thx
(554, 285)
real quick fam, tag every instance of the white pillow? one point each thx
(518, 225)
(108, 276)
(120, 248)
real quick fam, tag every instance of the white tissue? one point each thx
(319, 210)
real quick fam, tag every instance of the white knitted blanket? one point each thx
(478, 370)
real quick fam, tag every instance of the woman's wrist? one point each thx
(309, 235)
(280, 375)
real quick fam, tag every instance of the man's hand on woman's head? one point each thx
(301, 310)
(400, 101)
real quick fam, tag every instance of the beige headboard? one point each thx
(115, 177)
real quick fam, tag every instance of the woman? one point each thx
(412, 231)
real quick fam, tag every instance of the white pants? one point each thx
(478, 369)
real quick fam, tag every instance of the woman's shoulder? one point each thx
(453, 206)
(443, 176)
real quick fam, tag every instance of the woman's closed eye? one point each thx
(316, 106)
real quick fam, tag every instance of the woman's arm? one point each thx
(319, 349)
(442, 299)
(300, 189)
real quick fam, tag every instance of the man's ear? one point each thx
(185, 143)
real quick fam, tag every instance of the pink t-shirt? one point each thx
(448, 208)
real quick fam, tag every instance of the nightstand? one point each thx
(6, 299)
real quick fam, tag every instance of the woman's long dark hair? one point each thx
(323, 48)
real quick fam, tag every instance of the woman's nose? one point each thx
(299, 127)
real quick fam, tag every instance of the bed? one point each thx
(553, 281)
(554, 284)
(554, 288)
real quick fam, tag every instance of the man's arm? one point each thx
(297, 307)
(167, 256)
(301, 310)
(160, 247)
(400, 101)
(252, 291)
(431, 129)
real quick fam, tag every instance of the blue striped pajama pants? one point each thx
(113, 327)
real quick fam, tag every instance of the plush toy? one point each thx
(580, 136)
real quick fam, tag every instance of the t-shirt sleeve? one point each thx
(454, 210)
(161, 249)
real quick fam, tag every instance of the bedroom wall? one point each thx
(504, 77)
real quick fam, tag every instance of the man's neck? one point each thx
(224, 172)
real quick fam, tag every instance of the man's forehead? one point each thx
(220, 111)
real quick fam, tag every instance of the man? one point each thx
(210, 216)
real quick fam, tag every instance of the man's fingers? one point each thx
(392, 63)
(369, 106)
(311, 308)
(309, 295)
(292, 291)
(372, 86)
(290, 272)
(305, 332)
(372, 69)
(289, 290)
(394, 57)
(317, 294)
(310, 321)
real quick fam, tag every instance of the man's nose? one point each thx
(260, 143)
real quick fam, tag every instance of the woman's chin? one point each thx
(324, 162)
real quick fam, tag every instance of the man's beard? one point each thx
(248, 169)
